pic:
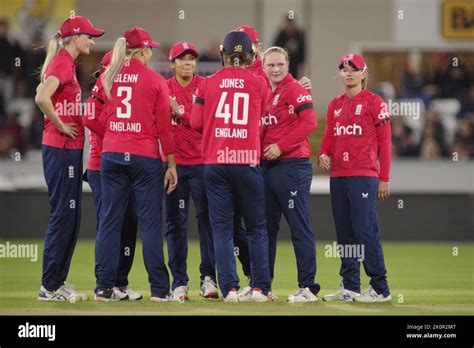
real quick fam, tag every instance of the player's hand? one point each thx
(175, 108)
(171, 179)
(272, 152)
(384, 190)
(69, 129)
(305, 82)
(324, 162)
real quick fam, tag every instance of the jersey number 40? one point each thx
(223, 109)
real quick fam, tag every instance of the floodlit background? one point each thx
(420, 56)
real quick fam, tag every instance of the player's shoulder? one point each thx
(337, 100)
(155, 76)
(374, 100)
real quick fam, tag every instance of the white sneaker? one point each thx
(341, 295)
(245, 295)
(132, 295)
(181, 293)
(272, 297)
(167, 298)
(231, 296)
(208, 288)
(69, 288)
(302, 295)
(258, 295)
(370, 295)
(51, 296)
(108, 295)
(155, 298)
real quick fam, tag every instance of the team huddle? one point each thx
(235, 141)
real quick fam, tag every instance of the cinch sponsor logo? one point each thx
(303, 98)
(268, 120)
(37, 331)
(353, 129)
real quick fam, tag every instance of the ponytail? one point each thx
(119, 55)
(364, 80)
(54, 46)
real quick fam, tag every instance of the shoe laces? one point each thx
(209, 280)
(299, 292)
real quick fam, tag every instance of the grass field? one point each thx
(425, 279)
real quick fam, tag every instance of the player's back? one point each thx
(234, 102)
(131, 112)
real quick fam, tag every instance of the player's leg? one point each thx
(128, 240)
(221, 217)
(61, 234)
(147, 185)
(207, 267)
(177, 207)
(241, 243)
(293, 192)
(272, 213)
(74, 192)
(350, 266)
(249, 188)
(363, 197)
(115, 184)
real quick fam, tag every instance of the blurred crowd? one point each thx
(446, 125)
(446, 93)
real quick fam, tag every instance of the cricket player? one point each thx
(136, 114)
(189, 165)
(356, 138)
(128, 236)
(289, 120)
(227, 109)
(59, 97)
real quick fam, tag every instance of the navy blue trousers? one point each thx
(119, 174)
(190, 183)
(353, 202)
(227, 185)
(63, 174)
(128, 236)
(287, 191)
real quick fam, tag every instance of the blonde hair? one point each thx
(276, 49)
(365, 79)
(119, 55)
(54, 46)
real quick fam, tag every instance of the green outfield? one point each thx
(425, 279)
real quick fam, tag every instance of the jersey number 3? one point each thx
(127, 93)
(240, 118)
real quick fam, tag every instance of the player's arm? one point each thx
(265, 92)
(44, 92)
(196, 120)
(166, 134)
(381, 118)
(327, 144)
(94, 108)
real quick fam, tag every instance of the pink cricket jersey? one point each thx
(358, 133)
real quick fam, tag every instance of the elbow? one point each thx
(40, 100)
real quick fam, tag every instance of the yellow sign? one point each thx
(458, 19)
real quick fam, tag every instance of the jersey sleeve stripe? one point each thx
(98, 99)
(304, 107)
(381, 123)
(199, 101)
